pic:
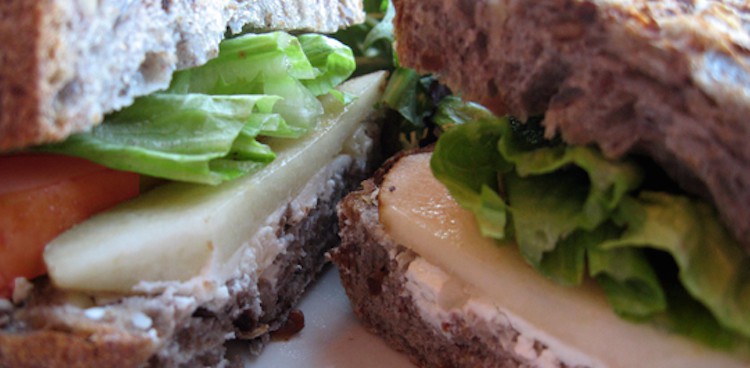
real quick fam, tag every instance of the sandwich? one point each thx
(595, 215)
(162, 192)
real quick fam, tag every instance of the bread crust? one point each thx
(20, 94)
(666, 79)
(65, 64)
(54, 349)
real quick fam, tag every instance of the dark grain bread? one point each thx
(64, 63)
(668, 79)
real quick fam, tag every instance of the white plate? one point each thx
(332, 337)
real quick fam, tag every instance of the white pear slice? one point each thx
(576, 323)
(179, 231)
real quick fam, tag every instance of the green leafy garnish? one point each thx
(574, 213)
(332, 62)
(411, 95)
(452, 110)
(473, 185)
(711, 266)
(372, 41)
(403, 94)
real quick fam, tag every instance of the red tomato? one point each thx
(41, 196)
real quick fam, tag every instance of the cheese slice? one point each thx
(180, 231)
(576, 324)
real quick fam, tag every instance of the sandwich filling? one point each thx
(659, 256)
(214, 123)
(181, 231)
(460, 275)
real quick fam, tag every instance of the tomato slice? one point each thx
(42, 195)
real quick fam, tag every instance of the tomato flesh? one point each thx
(43, 195)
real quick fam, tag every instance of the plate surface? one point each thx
(332, 337)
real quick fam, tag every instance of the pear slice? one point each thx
(179, 231)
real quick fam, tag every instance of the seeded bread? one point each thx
(65, 63)
(666, 79)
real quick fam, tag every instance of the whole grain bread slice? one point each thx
(66, 63)
(667, 79)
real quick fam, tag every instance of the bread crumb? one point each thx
(95, 313)
(525, 348)
(141, 321)
(5, 305)
(21, 289)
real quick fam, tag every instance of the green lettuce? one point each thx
(333, 62)
(208, 126)
(408, 93)
(178, 137)
(575, 214)
(452, 110)
(467, 163)
(372, 40)
(711, 267)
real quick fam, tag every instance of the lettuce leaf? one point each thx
(405, 94)
(627, 277)
(712, 267)
(270, 63)
(570, 210)
(452, 110)
(372, 40)
(332, 60)
(207, 127)
(467, 163)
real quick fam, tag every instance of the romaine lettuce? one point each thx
(574, 213)
(205, 128)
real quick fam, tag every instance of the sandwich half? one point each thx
(210, 251)
(527, 252)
